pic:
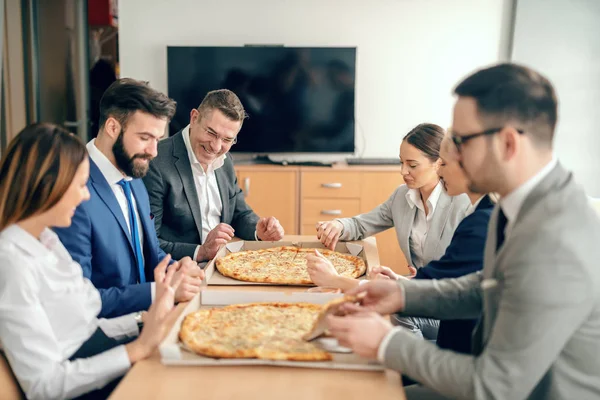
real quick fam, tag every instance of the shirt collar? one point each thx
(216, 164)
(109, 171)
(511, 203)
(413, 196)
(47, 244)
(471, 209)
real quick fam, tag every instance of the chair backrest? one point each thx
(10, 388)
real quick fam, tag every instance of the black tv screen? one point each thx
(297, 99)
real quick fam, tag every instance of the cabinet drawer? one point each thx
(314, 210)
(309, 230)
(330, 184)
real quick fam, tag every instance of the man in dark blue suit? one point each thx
(112, 235)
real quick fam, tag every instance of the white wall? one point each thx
(561, 39)
(410, 53)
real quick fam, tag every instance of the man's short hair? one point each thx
(126, 96)
(225, 101)
(516, 95)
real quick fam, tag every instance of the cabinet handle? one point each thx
(331, 212)
(247, 186)
(335, 185)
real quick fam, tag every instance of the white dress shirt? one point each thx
(418, 234)
(113, 176)
(511, 203)
(472, 207)
(207, 189)
(47, 311)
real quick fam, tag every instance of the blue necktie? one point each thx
(133, 224)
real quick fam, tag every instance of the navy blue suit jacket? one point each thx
(463, 256)
(99, 240)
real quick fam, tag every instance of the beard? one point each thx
(126, 162)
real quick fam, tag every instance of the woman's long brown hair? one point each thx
(36, 171)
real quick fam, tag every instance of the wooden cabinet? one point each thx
(272, 191)
(301, 196)
(377, 187)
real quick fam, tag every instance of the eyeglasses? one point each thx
(460, 140)
(215, 136)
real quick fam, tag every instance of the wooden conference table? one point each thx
(149, 379)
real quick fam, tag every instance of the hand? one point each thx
(362, 332)
(413, 272)
(321, 270)
(382, 273)
(269, 229)
(160, 272)
(216, 238)
(191, 281)
(328, 232)
(161, 315)
(382, 296)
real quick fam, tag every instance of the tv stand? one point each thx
(267, 160)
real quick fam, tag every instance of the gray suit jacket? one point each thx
(175, 205)
(539, 335)
(396, 213)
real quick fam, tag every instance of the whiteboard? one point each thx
(561, 39)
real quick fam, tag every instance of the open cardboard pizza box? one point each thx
(173, 352)
(365, 249)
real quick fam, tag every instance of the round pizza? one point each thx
(284, 265)
(272, 331)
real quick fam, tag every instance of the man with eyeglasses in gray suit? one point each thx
(196, 202)
(538, 296)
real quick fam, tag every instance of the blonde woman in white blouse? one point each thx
(49, 330)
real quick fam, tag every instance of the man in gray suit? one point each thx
(538, 296)
(195, 199)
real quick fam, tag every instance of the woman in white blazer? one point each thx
(49, 330)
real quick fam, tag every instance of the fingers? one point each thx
(174, 280)
(333, 243)
(271, 224)
(412, 270)
(331, 235)
(161, 268)
(224, 228)
(319, 229)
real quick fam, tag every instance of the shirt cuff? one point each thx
(256, 237)
(152, 291)
(196, 253)
(384, 344)
(121, 327)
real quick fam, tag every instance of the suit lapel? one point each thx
(184, 168)
(437, 224)
(219, 174)
(105, 192)
(137, 186)
(490, 255)
(406, 224)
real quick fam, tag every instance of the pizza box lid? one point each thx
(365, 249)
(173, 352)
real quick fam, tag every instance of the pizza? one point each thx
(272, 331)
(319, 326)
(284, 265)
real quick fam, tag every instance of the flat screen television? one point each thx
(298, 100)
